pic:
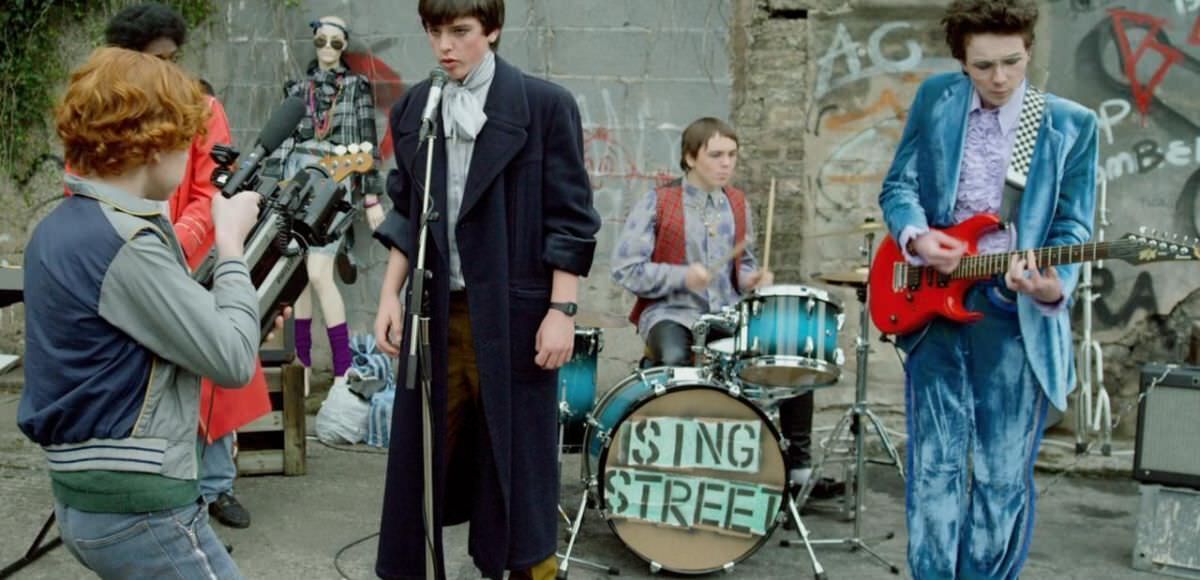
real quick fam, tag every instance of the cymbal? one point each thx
(867, 226)
(596, 319)
(855, 277)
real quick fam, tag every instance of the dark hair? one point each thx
(438, 12)
(137, 26)
(696, 136)
(966, 17)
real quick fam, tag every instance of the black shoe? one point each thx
(229, 511)
(826, 488)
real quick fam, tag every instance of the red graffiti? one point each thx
(386, 86)
(1194, 38)
(1143, 92)
(605, 156)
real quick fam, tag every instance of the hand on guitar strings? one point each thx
(1024, 276)
(940, 250)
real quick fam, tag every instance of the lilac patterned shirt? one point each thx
(708, 223)
(990, 137)
(986, 153)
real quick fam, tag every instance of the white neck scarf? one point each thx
(462, 108)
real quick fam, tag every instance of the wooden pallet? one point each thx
(275, 443)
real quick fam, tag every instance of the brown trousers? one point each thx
(464, 412)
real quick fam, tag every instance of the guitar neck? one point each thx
(986, 266)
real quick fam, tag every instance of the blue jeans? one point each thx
(217, 469)
(975, 417)
(176, 543)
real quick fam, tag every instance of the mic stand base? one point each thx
(36, 550)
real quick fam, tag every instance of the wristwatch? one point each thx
(568, 308)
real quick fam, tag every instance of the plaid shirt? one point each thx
(352, 121)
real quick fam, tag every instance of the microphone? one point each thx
(281, 125)
(437, 80)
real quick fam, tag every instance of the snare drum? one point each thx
(788, 337)
(690, 473)
(577, 378)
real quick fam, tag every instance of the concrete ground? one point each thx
(1085, 525)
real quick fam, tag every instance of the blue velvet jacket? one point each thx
(1057, 206)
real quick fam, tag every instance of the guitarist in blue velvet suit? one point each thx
(986, 141)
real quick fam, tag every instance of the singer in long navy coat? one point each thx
(527, 211)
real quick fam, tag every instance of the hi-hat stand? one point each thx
(853, 420)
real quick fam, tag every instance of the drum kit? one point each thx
(686, 464)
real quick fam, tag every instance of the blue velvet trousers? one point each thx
(975, 419)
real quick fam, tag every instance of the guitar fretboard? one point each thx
(986, 266)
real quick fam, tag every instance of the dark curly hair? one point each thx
(966, 17)
(137, 26)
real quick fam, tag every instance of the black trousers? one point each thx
(670, 344)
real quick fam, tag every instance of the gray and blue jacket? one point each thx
(118, 335)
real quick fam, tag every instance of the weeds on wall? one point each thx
(32, 69)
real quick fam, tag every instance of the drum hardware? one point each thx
(577, 385)
(853, 420)
(869, 226)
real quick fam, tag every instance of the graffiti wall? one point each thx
(639, 70)
(1137, 64)
(866, 71)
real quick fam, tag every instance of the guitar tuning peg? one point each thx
(353, 148)
(366, 147)
(339, 150)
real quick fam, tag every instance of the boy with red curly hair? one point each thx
(118, 333)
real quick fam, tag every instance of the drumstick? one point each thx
(737, 249)
(770, 220)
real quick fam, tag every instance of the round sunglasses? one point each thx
(336, 44)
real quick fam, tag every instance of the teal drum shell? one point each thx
(787, 338)
(577, 378)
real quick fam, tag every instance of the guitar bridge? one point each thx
(899, 276)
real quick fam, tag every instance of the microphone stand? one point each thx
(419, 350)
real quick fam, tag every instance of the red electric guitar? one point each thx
(904, 298)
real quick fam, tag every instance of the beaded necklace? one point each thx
(321, 127)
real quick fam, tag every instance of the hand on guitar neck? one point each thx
(1025, 277)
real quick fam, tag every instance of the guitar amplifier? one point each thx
(1168, 429)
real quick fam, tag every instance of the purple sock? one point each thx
(304, 341)
(339, 344)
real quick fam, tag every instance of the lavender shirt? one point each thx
(708, 223)
(986, 152)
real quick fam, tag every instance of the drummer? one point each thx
(678, 253)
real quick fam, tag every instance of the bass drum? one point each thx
(689, 472)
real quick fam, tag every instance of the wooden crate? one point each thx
(275, 443)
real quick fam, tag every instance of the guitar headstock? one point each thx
(1150, 245)
(355, 158)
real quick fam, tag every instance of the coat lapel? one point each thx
(502, 136)
(412, 154)
(950, 130)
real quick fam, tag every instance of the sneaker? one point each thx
(229, 511)
(826, 488)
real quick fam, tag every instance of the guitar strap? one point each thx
(1033, 114)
